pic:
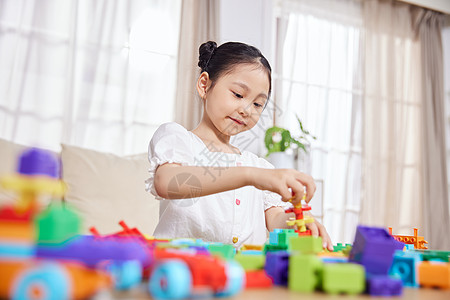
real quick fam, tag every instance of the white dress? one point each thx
(233, 217)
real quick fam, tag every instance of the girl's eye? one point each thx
(238, 95)
(257, 105)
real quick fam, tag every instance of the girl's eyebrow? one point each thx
(246, 88)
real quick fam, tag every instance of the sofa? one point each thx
(102, 187)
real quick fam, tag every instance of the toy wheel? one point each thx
(235, 280)
(170, 280)
(126, 274)
(47, 281)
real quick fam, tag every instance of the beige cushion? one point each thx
(107, 188)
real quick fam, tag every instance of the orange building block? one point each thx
(418, 241)
(434, 274)
(11, 230)
(84, 282)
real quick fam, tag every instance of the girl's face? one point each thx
(237, 99)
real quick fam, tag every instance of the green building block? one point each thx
(346, 278)
(270, 247)
(340, 247)
(225, 251)
(284, 236)
(251, 262)
(433, 255)
(306, 244)
(304, 273)
(57, 223)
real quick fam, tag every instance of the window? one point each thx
(91, 75)
(318, 76)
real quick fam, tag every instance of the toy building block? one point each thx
(383, 285)
(16, 225)
(374, 248)
(304, 273)
(57, 223)
(91, 250)
(273, 236)
(250, 262)
(343, 278)
(277, 267)
(300, 220)
(26, 279)
(306, 244)
(271, 248)
(418, 241)
(340, 247)
(257, 279)
(433, 255)
(38, 172)
(434, 274)
(404, 267)
(247, 247)
(285, 235)
(225, 251)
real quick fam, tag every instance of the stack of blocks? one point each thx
(292, 261)
(374, 249)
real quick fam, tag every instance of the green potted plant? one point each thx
(281, 145)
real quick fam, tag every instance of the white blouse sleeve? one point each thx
(171, 143)
(272, 199)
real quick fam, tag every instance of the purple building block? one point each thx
(90, 250)
(35, 161)
(383, 285)
(374, 249)
(277, 265)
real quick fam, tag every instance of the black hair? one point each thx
(217, 61)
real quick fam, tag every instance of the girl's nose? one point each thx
(244, 110)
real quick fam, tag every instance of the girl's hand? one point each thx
(290, 184)
(318, 229)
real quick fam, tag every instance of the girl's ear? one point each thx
(203, 83)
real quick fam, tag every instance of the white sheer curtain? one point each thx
(318, 75)
(392, 115)
(404, 143)
(89, 73)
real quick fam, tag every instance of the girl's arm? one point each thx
(276, 218)
(288, 183)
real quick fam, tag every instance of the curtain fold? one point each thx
(392, 165)
(199, 23)
(427, 26)
(404, 166)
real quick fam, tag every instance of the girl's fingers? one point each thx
(314, 229)
(325, 237)
(297, 191)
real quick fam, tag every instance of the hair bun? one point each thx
(206, 50)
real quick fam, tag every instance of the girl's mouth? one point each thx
(237, 121)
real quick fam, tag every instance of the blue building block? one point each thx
(276, 267)
(374, 248)
(273, 236)
(404, 267)
(409, 247)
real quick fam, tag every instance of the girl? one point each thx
(208, 188)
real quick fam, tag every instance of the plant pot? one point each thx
(282, 160)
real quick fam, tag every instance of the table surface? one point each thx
(280, 293)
